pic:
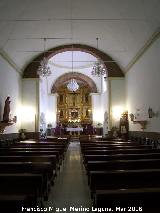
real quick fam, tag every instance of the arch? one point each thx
(76, 75)
(112, 67)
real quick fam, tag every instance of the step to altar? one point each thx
(74, 138)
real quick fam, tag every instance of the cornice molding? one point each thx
(6, 57)
(141, 52)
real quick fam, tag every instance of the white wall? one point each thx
(10, 84)
(116, 99)
(48, 103)
(142, 86)
(43, 95)
(43, 100)
(105, 105)
(97, 113)
(52, 109)
(30, 103)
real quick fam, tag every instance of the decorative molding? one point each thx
(6, 57)
(141, 52)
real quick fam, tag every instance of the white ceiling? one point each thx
(122, 26)
(69, 60)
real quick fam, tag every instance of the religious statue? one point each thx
(86, 98)
(6, 112)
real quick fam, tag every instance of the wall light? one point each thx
(117, 112)
(27, 114)
(97, 116)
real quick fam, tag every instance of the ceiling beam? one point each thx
(72, 19)
(141, 52)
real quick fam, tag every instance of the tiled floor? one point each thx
(71, 188)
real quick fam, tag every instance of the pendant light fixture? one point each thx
(98, 68)
(72, 85)
(44, 70)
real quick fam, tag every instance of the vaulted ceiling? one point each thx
(122, 26)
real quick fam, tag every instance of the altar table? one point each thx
(74, 129)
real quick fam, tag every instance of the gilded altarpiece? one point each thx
(74, 106)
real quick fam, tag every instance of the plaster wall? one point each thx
(10, 84)
(142, 88)
(30, 103)
(116, 100)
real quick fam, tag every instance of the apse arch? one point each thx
(112, 67)
(61, 80)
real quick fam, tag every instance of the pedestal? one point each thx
(3, 125)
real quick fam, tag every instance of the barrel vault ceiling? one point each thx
(122, 26)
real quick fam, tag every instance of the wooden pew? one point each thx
(40, 143)
(37, 149)
(62, 147)
(114, 147)
(30, 158)
(37, 157)
(35, 144)
(121, 157)
(119, 179)
(14, 203)
(123, 164)
(34, 159)
(112, 143)
(31, 153)
(43, 168)
(129, 200)
(30, 185)
(109, 143)
(119, 151)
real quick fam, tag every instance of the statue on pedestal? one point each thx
(6, 112)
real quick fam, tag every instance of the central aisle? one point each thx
(71, 188)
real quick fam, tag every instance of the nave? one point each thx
(66, 175)
(71, 188)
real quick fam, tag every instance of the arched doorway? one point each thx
(99, 96)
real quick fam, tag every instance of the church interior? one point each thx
(79, 115)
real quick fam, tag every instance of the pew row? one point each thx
(129, 200)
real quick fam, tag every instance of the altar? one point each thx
(74, 130)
